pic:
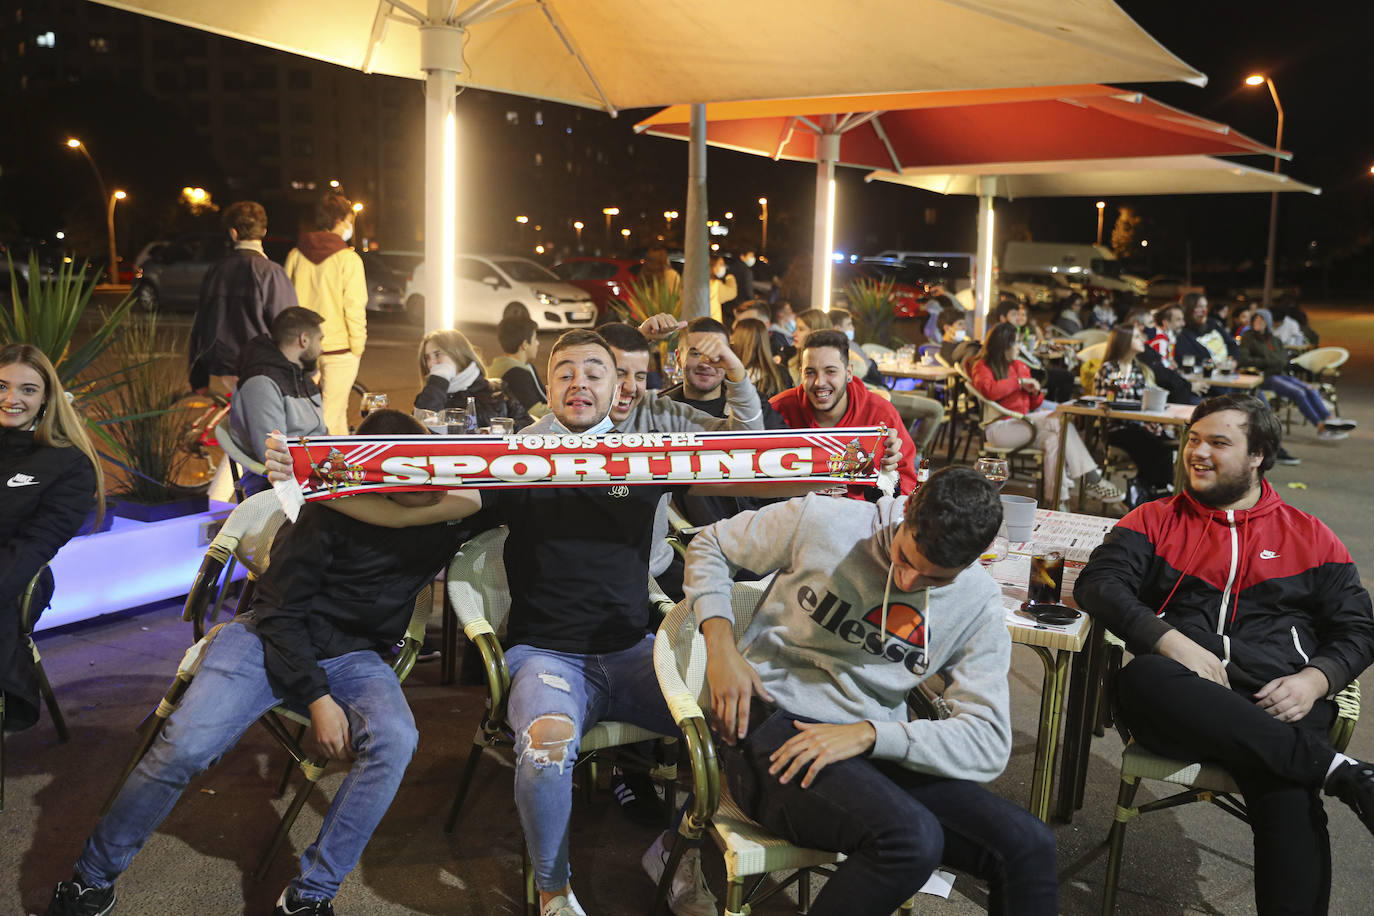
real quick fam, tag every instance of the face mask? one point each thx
(347, 233)
(849, 333)
(720, 273)
(791, 326)
(961, 334)
(748, 261)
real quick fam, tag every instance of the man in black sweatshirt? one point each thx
(329, 610)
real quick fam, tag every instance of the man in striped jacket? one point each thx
(1245, 616)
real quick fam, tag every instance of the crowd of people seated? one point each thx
(809, 714)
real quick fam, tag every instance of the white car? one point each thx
(486, 285)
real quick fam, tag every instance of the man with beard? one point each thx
(276, 390)
(1245, 616)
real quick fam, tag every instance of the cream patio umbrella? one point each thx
(1130, 176)
(615, 54)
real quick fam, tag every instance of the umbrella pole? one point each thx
(441, 57)
(696, 296)
(982, 290)
(827, 151)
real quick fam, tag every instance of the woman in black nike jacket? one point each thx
(51, 480)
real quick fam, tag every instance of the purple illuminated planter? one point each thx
(158, 512)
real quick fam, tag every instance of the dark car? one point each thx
(173, 272)
(604, 278)
(386, 273)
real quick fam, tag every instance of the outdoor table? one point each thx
(928, 373)
(1172, 415)
(1056, 646)
(1245, 381)
(1073, 343)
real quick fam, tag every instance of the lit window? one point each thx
(539, 119)
(513, 118)
(538, 158)
(100, 44)
(46, 40)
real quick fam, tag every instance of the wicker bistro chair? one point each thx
(748, 849)
(480, 597)
(44, 688)
(1202, 782)
(1028, 458)
(245, 538)
(236, 457)
(247, 535)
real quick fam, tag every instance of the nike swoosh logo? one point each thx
(20, 480)
(1268, 555)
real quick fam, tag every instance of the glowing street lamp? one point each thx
(609, 212)
(522, 219)
(334, 183)
(1101, 206)
(729, 214)
(105, 198)
(763, 202)
(357, 208)
(670, 215)
(578, 226)
(1257, 79)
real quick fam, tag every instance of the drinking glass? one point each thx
(994, 469)
(502, 426)
(1046, 576)
(459, 421)
(1188, 361)
(372, 400)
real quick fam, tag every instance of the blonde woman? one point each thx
(52, 479)
(452, 373)
(749, 340)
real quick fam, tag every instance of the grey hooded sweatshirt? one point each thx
(818, 642)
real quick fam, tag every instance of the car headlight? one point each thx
(546, 299)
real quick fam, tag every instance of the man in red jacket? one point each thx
(829, 395)
(1246, 616)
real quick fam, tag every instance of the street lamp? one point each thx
(763, 243)
(669, 216)
(105, 198)
(729, 214)
(578, 226)
(522, 220)
(1101, 206)
(609, 212)
(334, 183)
(1257, 79)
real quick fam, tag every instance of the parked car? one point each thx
(603, 278)
(387, 273)
(172, 273)
(908, 293)
(487, 284)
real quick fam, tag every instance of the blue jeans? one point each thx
(894, 826)
(231, 692)
(582, 689)
(1304, 397)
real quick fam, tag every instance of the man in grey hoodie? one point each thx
(869, 601)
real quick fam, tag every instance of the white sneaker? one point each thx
(688, 895)
(1104, 491)
(560, 906)
(1332, 435)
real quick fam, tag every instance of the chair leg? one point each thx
(527, 870)
(804, 891)
(286, 770)
(313, 772)
(148, 730)
(479, 744)
(1116, 840)
(2, 752)
(59, 722)
(665, 881)
(734, 897)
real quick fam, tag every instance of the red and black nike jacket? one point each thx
(1270, 590)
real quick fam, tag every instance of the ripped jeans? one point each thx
(571, 693)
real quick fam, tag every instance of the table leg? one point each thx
(1080, 722)
(1047, 740)
(1052, 485)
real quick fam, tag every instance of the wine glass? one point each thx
(994, 469)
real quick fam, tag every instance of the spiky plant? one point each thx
(870, 302)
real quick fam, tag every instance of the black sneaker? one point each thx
(292, 904)
(72, 898)
(1353, 783)
(635, 792)
(1284, 458)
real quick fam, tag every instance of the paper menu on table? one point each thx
(1077, 534)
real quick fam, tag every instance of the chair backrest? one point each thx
(1322, 359)
(477, 585)
(1089, 361)
(1091, 336)
(683, 638)
(26, 602)
(249, 530)
(876, 350)
(992, 411)
(233, 452)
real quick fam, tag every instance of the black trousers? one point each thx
(1153, 455)
(1280, 768)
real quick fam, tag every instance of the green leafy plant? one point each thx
(48, 315)
(649, 297)
(870, 302)
(139, 421)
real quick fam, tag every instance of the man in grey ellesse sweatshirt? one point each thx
(810, 709)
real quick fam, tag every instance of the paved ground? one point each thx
(109, 673)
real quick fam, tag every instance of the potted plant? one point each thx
(871, 305)
(141, 425)
(653, 297)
